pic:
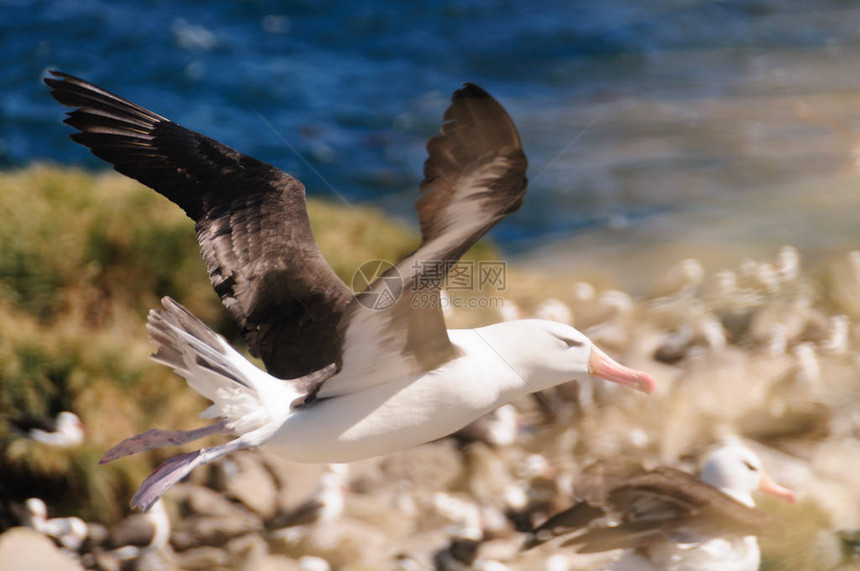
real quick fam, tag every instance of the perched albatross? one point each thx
(669, 520)
(64, 431)
(70, 532)
(364, 380)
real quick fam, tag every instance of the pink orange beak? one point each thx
(602, 365)
(769, 486)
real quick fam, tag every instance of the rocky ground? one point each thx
(761, 351)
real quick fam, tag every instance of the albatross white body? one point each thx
(493, 365)
(490, 371)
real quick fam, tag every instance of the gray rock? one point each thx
(267, 562)
(210, 530)
(204, 558)
(97, 533)
(342, 543)
(253, 485)
(432, 466)
(247, 547)
(202, 501)
(24, 549)
(102, 560)
(156, 560)
(295, 481)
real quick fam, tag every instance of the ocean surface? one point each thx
(717, 123)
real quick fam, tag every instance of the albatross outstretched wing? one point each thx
(670, 505)
(663, 505)
(474, 176)
(251, 222)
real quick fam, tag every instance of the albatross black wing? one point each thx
(474, 176)
(251, 222)
(668, 505)
(24, 424)
(593, 487)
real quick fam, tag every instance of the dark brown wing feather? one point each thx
(667, 493)
(666, 504)
(571, 520)
(660, 494)
(25, 423)
(251, 222)
(474, 176)
(593, 487)
(599, 478)
(658, 506)
(476, 166)
(632, 535)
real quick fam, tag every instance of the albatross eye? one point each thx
(750, 466)
(572, 343)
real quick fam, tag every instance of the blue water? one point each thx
(356, 88)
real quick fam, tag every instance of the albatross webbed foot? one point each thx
(156, 438)
(175, 469)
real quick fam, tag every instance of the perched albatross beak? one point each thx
(602, 365)
(768, 486)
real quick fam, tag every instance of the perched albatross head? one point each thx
(548, 353)
(69, 423)
(737, 471)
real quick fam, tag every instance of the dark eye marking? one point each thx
(572, 343)
(750, 466)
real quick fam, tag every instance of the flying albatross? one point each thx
(667, 519)
(361, 381)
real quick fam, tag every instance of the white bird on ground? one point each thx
(69, 531)
(681, 279)
(510, 311)
(466, 515)
(582, 293)
(64, 431)
(788, 264)
(554, 310)
(807, 367)
(668, 520)
(838, 334)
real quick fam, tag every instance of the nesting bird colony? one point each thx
(760, 353)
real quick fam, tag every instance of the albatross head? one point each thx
(737, 471)
(71, 429)
(548, 353)
(68, 420)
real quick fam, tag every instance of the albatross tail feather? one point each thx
(248, 401)
(239, 391)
